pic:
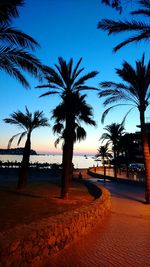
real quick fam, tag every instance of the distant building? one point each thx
(138, 143)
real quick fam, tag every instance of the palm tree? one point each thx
(135, 91)
(128, 150)
(28, 122)
(79, 112)
(113, 136)
(66, 81)
(141, 28)
(104, 153)
(15, 45)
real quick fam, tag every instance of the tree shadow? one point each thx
(17, 192)
(124, 190)
(92, 188)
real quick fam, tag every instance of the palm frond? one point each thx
(84, 78)
(12, 36)
(11, 140)
(112, 26)
(50, 93)
(80, 133)
(27, 121)
(144, 35)
(124, 119)
(74, 76)
(111, 85)
(9, 9)
(141, 12)
(84, 87)
(21, 137)
(70, 64)
(145, 3)
(58, 128)
(54, 78)
(12, 60)
(11, 69)
(115, 98)
(56, 143)
(75, 72)
(109, 109)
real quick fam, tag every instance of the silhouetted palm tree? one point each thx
(104, 153)
(79, 111)
(141, 28)
(128, 150)
(135, 91)
(14, 46)
(113, 137)
(28, 122)
(66, 81)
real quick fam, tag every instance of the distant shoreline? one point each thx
(15, 151)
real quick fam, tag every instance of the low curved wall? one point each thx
(29, 245)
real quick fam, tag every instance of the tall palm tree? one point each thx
(104, 153)
(142, 29)
(15, 45)
(113, 136)
(79, 111)
(134, 91)
(28, 122)
(67, 82)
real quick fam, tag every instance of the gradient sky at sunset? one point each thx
(67, 28)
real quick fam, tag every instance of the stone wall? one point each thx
(29, 245)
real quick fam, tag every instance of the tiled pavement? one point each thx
(123, 240)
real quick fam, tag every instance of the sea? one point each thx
(79, 161)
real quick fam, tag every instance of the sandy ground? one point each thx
(40, 199)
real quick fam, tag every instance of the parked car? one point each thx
(136, 167)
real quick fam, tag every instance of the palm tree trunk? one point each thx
(67, 171)
(104, 168)
(115, 165)
(23, 173)
(146, 156)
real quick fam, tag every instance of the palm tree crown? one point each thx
(141, 28)
(113, 135)
(26, 121)
(64, 78)
(103, 151)
(135, 90)
(79, 110)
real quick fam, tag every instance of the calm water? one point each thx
(78, 161)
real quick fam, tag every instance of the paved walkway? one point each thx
(122, 240)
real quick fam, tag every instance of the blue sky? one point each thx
(67, 28)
